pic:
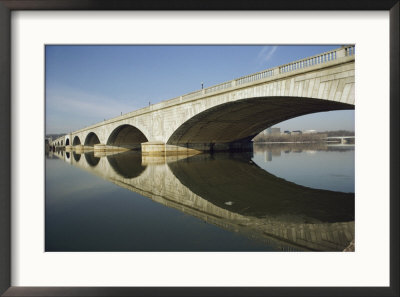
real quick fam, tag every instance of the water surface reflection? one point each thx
(230, 191)
(315, 165)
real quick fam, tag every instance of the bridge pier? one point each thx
(110, 148)
(78, 148)
(159, 148)
(155, 148)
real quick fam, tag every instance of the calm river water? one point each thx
(280, 197)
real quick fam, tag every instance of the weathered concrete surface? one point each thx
(286, 215)
(227, 116)
(351, 247)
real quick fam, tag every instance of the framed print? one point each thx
(133, 194)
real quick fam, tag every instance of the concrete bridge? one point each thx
(227, 116)
(342, 139)
(232, 193)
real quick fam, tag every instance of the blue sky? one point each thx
(87, 84)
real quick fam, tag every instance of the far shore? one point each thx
(318, 137)
(319, 142)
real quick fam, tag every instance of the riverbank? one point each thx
(304, 137)
(291, 138)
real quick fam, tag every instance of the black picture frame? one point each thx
(392, 6)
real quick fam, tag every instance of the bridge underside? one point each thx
(232, 126)
(91, 139)
(126, 137)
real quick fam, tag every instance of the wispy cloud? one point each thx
(69, 109)
(266, 53)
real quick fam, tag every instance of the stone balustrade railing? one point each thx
(218, 87)
(318, 59)
(350, 50)
(296, 65)
(254, 77)
(192, 95)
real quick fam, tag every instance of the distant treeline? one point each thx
(315, 137)
(54, 136)
(339, 133)
(305, 137)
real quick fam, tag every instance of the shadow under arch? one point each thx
(233, 182)
(127, 164)
(242, 120)
(91, 139)
(127, 136)
(76, 141)
(91, 159)
(77, 157)
(67, 141)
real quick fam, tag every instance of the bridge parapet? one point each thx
(318, 59)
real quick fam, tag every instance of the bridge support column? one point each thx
(159, 148)
(99, 147)
(79, 148)
(109, 148)
(155, 148)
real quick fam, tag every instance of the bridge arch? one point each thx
(242, 120)
(127, 165)
(91, 159)
(61, 142)
(91, 139)
(67, 141)
(126, 136)
(76, 141)
(77, 157)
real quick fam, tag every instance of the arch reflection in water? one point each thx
(237, 184)
(91, 159)
(127, 165)
(315, 165)
(76, 156)
(230, 191)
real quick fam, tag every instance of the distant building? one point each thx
(296, 132)
(286, 132)
(309, 131)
